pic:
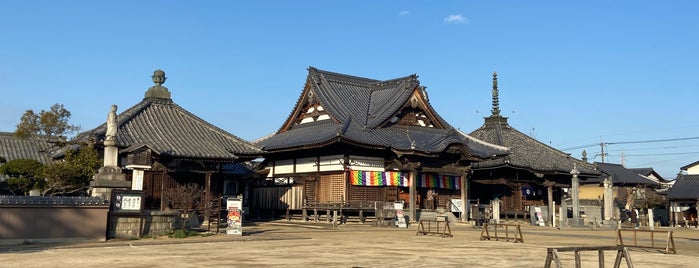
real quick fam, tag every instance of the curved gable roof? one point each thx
(361, 110)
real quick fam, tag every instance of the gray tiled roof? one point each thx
(648, 172)
(526, 152)
(690, 165)
(12, 148)
(623, 176)
(359, 108)
(170, 130)
(685, 187)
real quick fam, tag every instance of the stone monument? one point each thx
(109, 175)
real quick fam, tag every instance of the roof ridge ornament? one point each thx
(495, 118)
(158, 91)
(496, 99)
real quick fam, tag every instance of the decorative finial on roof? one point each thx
(584, 156)
(158, 91)
(158, 77)
(496, 100)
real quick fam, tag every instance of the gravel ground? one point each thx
(298, 244)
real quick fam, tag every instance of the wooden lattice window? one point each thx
(142, 157)
(331, 188)
(310, 190)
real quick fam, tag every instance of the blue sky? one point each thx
(571, 73)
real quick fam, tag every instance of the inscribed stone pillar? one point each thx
(608, 199)
(552, 207)
(495, 205)
(575, 185)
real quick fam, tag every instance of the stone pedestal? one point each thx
(110, 155)
(106, 179)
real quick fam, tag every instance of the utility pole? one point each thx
(601, 144)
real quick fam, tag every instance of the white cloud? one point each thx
(404, 13)
(456, 19)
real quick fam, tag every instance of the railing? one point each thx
(445, 231)
(379, 208)
(622, 252)
(668, 246)
(517, 232)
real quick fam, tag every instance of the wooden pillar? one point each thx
(412, 178)
(163, 186)
(207, 196)
(464, 197)
(552, 208)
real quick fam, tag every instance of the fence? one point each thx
(445, 231)
(516, 236)
(668, 246)
(622, 252)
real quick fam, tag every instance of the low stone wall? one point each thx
(52, 219)
(155, 223)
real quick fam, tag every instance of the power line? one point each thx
(649, 141)
(652, 148)
(627, 142)
(684, 153)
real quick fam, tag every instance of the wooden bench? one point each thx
(445, 231)
(517, 232)
(668, 246)
(622, 252)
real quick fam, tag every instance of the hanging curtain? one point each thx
(378, 178)
(432, 180)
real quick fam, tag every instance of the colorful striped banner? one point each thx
(432, 180)
(378, 178)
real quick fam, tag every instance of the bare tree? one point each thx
(185, 198)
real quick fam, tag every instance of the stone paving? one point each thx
(299, 244)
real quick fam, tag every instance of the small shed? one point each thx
(684, 199)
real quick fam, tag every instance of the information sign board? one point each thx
(234, 206)
(127, 202)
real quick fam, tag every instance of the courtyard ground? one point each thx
(303, 244)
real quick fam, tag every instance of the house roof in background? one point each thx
(685, 187)
(38, 149)
(622, 175)
(689, 166)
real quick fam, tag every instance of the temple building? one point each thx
(354, 141)
(160, 144)
(533, 174)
